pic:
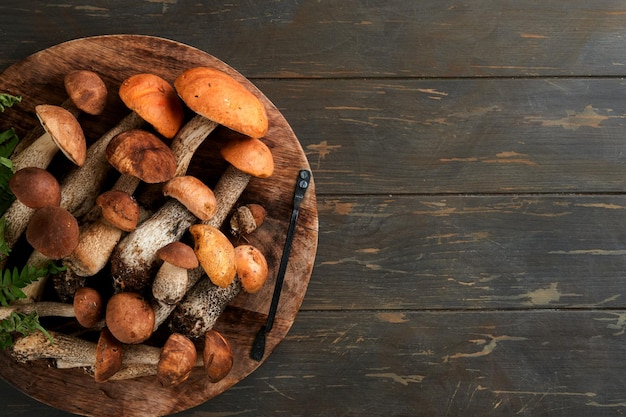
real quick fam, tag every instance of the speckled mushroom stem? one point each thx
(99, 239)
(78, 190)
(43, 309)
(73, 352)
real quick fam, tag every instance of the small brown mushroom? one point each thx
(217, 356)
(129, 317)
(178, 358)
(87, 91)
(35, 187)
(246, 219)
(155, 100)
(119, 208)
(196, 196)
(170, 282)
(251, 267)
(108, 356)
(53, 231)
(88, 307)
(64, 130)
(141, 154)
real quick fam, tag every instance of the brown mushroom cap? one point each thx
(219, 97)
(53, 231)
(215, 253)
(141, 154)
(178, 358)
(217, 356)
(178, 254)
(88, 307)
(129, 317)
(64, 130)
(108, 356)
(155, 101)
(35, 187)
(87, 91)
(249, 155)
(120, 209)
(251, 267)
(193, 194)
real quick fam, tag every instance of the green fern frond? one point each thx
(21, 323)
(12, 282)
(8, 100)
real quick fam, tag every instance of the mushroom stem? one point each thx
(78, 190)
(85, 261)
(134, 259)
(74, 352)
(42, 308)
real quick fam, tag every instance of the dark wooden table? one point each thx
(469, 160)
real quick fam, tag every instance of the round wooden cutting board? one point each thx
(39, 79)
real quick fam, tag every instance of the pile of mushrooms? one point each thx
(158, 281)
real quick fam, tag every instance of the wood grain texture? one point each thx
(39, 78)
(326, 39)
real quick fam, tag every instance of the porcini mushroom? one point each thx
(86, 90)
(217, 356)
(230, 103)
(129, 317)
(178, 358)
(87, 308)
(62, 132)
(108, 356)
(138, 155)
(35, 187)
(170, 283)
(247, 218)
(196, 196)
(53, 232)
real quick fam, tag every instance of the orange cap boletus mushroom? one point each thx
(108, 356)
(87, 91)
(215, 253)
(141, 154)
(249, 155)
(35, 187)
(64, 130)
(193, 194)
(53, 231)
(129, 317)
(219, 97)
(251, 267)
(154, 100)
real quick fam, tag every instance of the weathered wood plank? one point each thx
(458, 136)
(469, 252)
(426, 38)
(497, 363)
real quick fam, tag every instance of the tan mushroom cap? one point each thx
(193, 194)
(129, 317)
(64, 130)
(154, 100)
(178, 358)
(108, 356)
(249, 155)
(251, 267)
(88, 307)
(35, 187)
(120, 209)
(141, 154)
(217, 356)
(87, 91)
(215, 253)
(53, 231)
(219, 97)
(178, 254)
